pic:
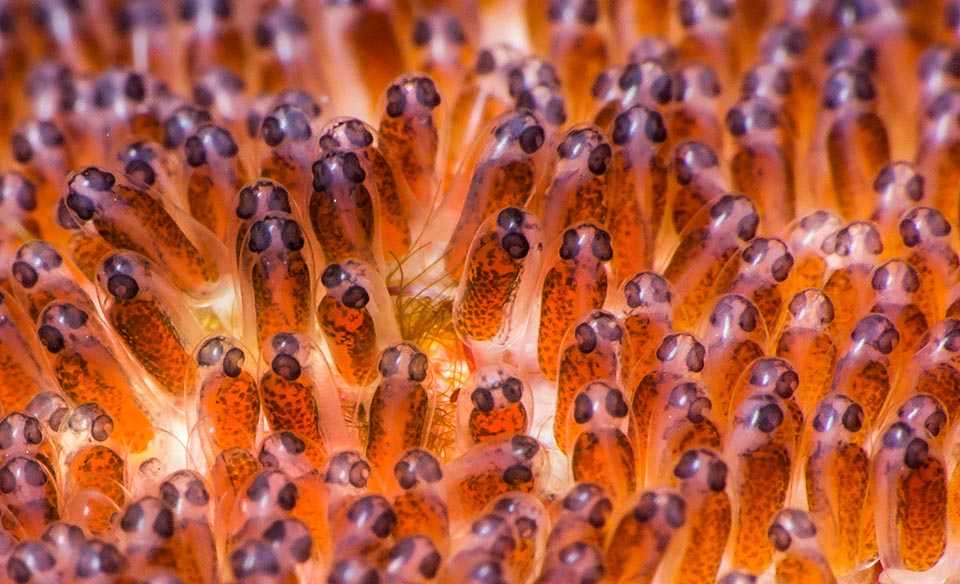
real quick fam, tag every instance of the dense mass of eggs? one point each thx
(481, 291)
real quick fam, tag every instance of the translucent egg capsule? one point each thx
(853, 253)
(23, 435)
(692, 113)
(911, 498)
(760, 448)
(122, 215)
(180, 122)
(496, 290)
(484, 95)
(580, 516)
(578, 562)
(896, 288)
(136, 297)
(837, 480)
(29, 494)
(354, 318)
(66, 30)
(936, 72)
(933, 369)
(761, 272)
(49, 407)
(575, 42)
(584, 252)
(493, 468)
(18, 200)
(291, 543)
(772, 84)
(418, 498)
(298, 392)
(806, 342)
(86, 364)
(187, 495)
(637, 545)
(92, 459)
(41, 275)
(533, 84)
(221, 395)
(364, 52)
(592, 350)
(23, 373)
(314, 506)
(399, 213)
(222, 91)
(698, 179)
(800, 556)
(930, 248)
(100, 562)
(40, 147)
(502, 170)
(410, 133)
(291, 454)
(734, 335)
(864, 372)
(50, 85)
(66, 539)
(287, 145)
(125, 106)
(35, 562)
(230, 472)
(579, 189)
(148, 536)
(887, 26)
(251, 204)
(496, 401)
(284, 54)
(366, 530)
(343, 210)
(278, 295)
(700, 476)
(483, 553)
(637, 185)
(530, 520)
(806, 238)
(218, 42)
(852, 139)
(849, 49)
(255, 560)
(148, 165)
(413, 559)
(643, 82)
(214, 175)
(764, 164)
(440, 43)
(269, 495)
(681, 420)
(707, 36)
(649, 318)
(599, 430)
(402, 405)
(145, 43)
(708, 241)
(898, 187)
(680, 358)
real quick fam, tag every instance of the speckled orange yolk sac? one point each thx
(479, 291)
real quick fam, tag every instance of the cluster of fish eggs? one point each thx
(500, 291)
